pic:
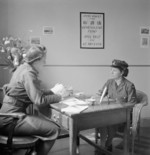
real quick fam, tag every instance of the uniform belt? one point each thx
(12, 101)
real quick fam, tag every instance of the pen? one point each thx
(103, 94)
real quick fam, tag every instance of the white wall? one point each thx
(123, 19)
(3, 18)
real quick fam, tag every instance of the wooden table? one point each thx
(97, 115)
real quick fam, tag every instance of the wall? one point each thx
(84, 69)
(3, 18)
(122, 24)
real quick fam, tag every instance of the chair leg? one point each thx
(34, 153)
(96, 135)
(31, 152)
(78, 144)
(138, 131)
(132, 145)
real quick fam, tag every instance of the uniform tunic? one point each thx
(122, 93)
(23, 90)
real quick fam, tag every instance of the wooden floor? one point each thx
(142, 147)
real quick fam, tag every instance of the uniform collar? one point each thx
(121, 80)
(32, 67)
(122, 83)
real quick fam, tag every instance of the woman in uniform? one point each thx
(120, 89)
(23, 90)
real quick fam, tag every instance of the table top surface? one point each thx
(96, 107)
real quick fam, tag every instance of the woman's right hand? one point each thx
(59, 89)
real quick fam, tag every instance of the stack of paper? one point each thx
(74, 105)
(74, 109)
(74, 101)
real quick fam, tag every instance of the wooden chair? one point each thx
(142, 100)
(9, 143)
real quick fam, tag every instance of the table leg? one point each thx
(73, 133)
(78, 144)
(126, 133)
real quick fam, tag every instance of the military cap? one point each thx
(119, 64)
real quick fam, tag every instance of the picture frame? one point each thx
(35, 40)
(48, 30)
(144, 30)
(92, 30)
(144, 42)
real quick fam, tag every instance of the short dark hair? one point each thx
(121, 65)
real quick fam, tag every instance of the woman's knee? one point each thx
(53, 129)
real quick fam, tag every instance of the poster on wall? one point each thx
(145, 34)
(144, 42)
(144, 30)
(91, 30)
(35, 40)
(48, 30)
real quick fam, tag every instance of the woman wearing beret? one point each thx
(23, 90)
(120, 89)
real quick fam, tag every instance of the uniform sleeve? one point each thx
(132, 94)
(36, 95)
(48, 92)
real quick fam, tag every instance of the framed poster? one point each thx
(35, 40)
(91, 30)
(144, 42)
(144, 30)
(48, 30)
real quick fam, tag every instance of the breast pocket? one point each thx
(122, 99)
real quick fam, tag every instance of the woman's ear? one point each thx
(122, 72)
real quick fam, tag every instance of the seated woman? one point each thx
(23, 90)
(119, 89)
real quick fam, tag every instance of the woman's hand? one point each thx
(59, 89)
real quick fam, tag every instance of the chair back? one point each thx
(141, 98)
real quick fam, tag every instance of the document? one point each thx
(74, 105)
(74, 109)
(74, 101)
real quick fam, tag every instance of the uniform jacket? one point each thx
(123, 93)
(23, 90)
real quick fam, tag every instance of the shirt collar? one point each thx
(32, 67)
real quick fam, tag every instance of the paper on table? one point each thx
(74, 101)
(74, 109)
